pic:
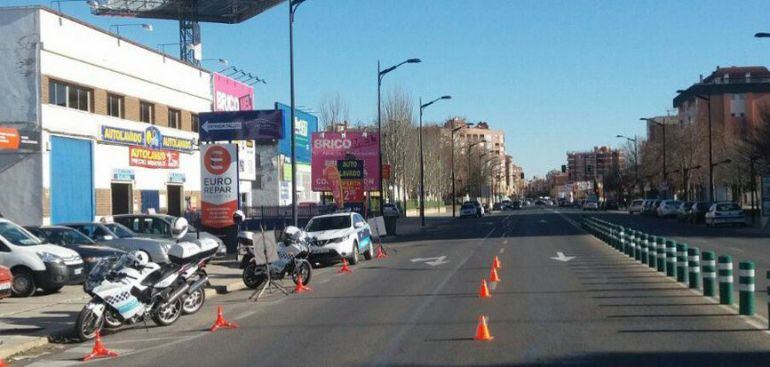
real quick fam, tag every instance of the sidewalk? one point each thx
(26, 323)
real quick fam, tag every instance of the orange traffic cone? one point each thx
(482, 332)
(221, 322)
(484, 291)
(301, 288)
(380, 254)
(99, 350)
(493, 275)
(496, 264)
(345, 268)
(3, 364)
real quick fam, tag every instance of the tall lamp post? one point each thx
(470, 146)
(293, 5)
(380, 75)
(662, 125)
(636, 157)
(452, 136)
(422, 163)
(711, 151)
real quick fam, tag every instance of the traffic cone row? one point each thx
(99, 350)
(221, 323)
(2, 363)
(380, 253)
(345, 268)
(482, 330)
(300, 287)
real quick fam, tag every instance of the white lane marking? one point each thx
(560, 257)
(502, 250)
(735, 248)
(493, 286)
(432, 261)
(505, 242)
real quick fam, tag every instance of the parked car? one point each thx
(6, 278)
(516, 205)
(725, 212)
(590, 205)
(338, 236)
(683, 212)
(610, 205)
(668, 208)
(390, 210)
(636, 207)
(506, 204)
(159, 226)
(35, 264)
(497, 206)
(118, 236)
(468, 209)
(481, 211)
(698, 211)
(90, 251)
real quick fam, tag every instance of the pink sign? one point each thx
(329, 147)
(232, 95)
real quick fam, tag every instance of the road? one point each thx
(599, 308)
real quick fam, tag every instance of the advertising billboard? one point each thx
(305, 124)
(151, 138)
(152, 158)
(331, 147)
(232, 95)
(219, 184)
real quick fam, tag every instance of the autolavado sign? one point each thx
(219, 184)
(330, 147)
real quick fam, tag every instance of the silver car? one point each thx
(158, 226)
(118, 236)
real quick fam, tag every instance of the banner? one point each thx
(330, 147)
(304, 125)
(151, 158)
(219, 184)
(151, 137)
(262, 125)
(231, 95)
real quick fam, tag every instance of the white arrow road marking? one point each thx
(560, 257)
(432, 261)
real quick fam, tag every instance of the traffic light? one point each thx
(563, 168)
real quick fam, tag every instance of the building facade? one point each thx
(105, 125)
(594, 165)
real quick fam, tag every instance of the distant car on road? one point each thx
(725, 213)
(159, 226)
(468, 209)
(636, 207)
(118, 236)
(698, 211)
(338, 236)
(683, 212)
(668, 208)
(610, 205)
(590, 205)
(90, 251)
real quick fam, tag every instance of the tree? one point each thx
(398, 139)
(333, 110)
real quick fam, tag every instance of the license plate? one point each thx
(5, 286)
(78, 271)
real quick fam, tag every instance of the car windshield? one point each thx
(726, 207)
(120, 230)
(328, 223)
(65, 237)
(17, 235)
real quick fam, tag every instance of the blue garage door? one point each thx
(72, 182)
(150, 199)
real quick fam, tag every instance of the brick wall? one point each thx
(103, 202)
(132, 108)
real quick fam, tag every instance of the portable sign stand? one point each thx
(270, 284)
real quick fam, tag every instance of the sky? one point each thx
(555, 76)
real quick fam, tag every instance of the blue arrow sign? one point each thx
(257, 125)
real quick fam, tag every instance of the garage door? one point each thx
(72, 183)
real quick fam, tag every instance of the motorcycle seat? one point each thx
(159, 274)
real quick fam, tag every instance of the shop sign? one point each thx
(151, 138)
(18, 137)
(261, 125)
(176, 177)
(121, 174)
(330, 147)
(304, 125)
(219, 184)
(151, 158)
(351, 169)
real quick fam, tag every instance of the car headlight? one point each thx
(92, 260)
(340, 239)
(48, 257)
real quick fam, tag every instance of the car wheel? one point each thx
(23, 284)
(353, 259)
(369, 253)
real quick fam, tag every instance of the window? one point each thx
(174, 118)
(68, 95)
(115, 105)
(196, 123)
(147, 112)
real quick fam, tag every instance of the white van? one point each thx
(35, 264)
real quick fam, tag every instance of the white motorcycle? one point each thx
(132, 289)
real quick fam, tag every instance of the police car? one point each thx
(340, 235)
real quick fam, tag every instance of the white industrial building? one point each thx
(105, 125)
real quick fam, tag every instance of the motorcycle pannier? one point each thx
(183, 252)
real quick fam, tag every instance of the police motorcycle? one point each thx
(130, 289)
(293, 251)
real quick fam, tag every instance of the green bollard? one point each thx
(651, 250)
(746, 288)
(670, 259)
(709, 274)
(621, 237)
(693, 257)
(660, 254)
(637, 251)
(725, 271)
(682, 275)
(645, 250)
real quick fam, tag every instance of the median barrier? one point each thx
(682, 274)
(725, 271)
(693, 259)
(746, 283)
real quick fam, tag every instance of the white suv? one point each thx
(35, 264)
(338, 236)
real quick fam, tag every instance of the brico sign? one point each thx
(219, 184)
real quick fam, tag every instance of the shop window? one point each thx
(71, 96)
(174, 118)
(115, 105)
(196, 123)
(147, 112)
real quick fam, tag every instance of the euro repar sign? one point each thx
(219, 184)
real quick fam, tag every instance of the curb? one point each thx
(35, 342)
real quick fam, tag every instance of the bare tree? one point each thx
(333, 110)
(397, 138)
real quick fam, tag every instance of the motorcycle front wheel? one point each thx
(305, 270)
(193, 302)
(168, 313)
(111, 320)
(87, 324)
(251, 278)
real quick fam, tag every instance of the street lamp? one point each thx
(145, 26)
(711, 151)
(636, 157)
(380, 75)
(470, 146)
(663, 125)
(293, 5)
(452, 136)
(422, 163)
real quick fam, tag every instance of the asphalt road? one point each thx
(600, 308)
